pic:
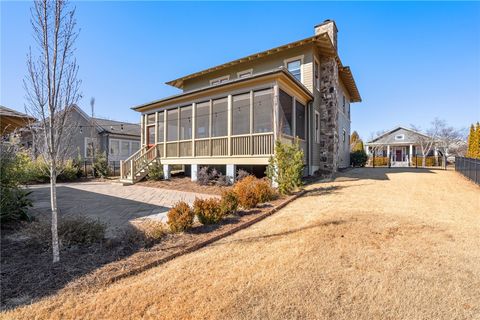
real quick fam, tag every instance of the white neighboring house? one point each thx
(399, 144)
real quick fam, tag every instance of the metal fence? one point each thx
(469, 167)
(86, 168)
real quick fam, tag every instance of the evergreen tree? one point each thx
(477, 141)
(356, 144)
(471, 142)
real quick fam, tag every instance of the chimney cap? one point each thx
(327, 21)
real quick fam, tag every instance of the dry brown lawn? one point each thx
(374, 244)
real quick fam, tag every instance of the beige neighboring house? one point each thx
(231, 115)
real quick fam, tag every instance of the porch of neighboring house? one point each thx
(234, 125)
(398, 155)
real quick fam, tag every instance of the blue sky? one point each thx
(412, 61)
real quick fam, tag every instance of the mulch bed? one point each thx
(184, 183)
(28, 274)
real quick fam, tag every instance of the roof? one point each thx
(280, 70)
(323, 42)
(386, 137)
(11, 119)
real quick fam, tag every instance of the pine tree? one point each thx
(477, 141)
(356, 144)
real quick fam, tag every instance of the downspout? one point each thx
(309, 136)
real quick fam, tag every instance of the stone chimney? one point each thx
(329, 27)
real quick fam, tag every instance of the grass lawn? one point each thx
(374, 244)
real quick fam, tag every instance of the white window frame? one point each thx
(316, 70)
(301, 58)
(247, 72)
(399, 137)
(86, 141)
(344, 136)
(219, 80)
(129, 153)
(317, 129)
(119, 146)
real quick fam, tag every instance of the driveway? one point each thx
(373, 244)
(111, 203)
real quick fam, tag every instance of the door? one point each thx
(150, 136)
(398, 155)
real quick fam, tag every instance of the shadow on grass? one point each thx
(377, 173)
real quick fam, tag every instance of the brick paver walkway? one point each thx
(111, 203)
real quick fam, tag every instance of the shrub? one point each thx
(203, 178)
(155, 172)
(100, 164)
(242, 174)
(214, 174)
(286, 166)
(246, 193)
(264, 191)
(70, 171)
(229, 202)
(223, 180)
(145, 233)
(358, 158)
(208, 211)
(180, 217)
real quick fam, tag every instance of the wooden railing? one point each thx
(138, 161)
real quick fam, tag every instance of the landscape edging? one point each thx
(202, 244)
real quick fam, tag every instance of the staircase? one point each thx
(136, 167)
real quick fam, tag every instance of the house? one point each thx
(231, 115)
(119, 140)
(11, 120)
(399, 145)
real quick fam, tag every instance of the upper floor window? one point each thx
(245, 73)
(294, 66)
(343, 104)
(219, 80)
(316, 74)
(399, 137)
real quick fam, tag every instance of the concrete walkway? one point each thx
(111, 203)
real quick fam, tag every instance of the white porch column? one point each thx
(194, 172)
(231, 172)
(410, 154)
(166, 171)
(388, 151)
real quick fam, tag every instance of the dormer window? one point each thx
(245, 73)
(399, 137)
(219, 80)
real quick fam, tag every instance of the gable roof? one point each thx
(11, 119)
(322, 41)
(388, 133)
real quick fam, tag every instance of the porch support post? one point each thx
(166, 171)
(194, 172)
(410, 154)
(230, 172)
(165, 126)
(194, 107)
(142, 125)
(388, 151)
(275, 112)
(229, 124)
(156, 127)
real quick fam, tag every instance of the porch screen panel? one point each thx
(172, 125)
(262, 111)
(241, 114)
(186, 123)
(286, 113)
(202, 120)
(151, 118)
(219, 117)
(161, 127)
(300, 120)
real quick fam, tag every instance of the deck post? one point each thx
(194, 172)
(121, 169)
(166, 171)
(229, 124)
(230, 172)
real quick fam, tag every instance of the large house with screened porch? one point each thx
(230, 115)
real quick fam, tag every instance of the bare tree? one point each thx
(426, 140)
(52, 88)
(449, 139)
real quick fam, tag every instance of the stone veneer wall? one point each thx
(328, 115)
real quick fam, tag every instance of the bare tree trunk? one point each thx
(53, 201)
(424, 162)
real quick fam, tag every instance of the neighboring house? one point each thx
(400, 145)
(11, 120)
(231, 115)
(118, 140)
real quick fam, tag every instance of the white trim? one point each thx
(85, 144)
(220, 80)
(301, 58)
(317, 131)
(249, 71)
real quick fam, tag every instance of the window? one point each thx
(343, 104)
(344, 136)
(114, 147)
(316, 74)
(172, 125)
(219, 80)
(202, 120)
(90, 145)
(151, 118)
(135, 146)
(317, 127)
(399, 137)
(219, 117)
(262, 111)
(286, 113)
(241, 114)
(245, 73)
(161, 126)
(300, 120)
(294, 66)
(124, 148)
(186, 123)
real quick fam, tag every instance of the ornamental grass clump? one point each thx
(180, 217)
(208, 211)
